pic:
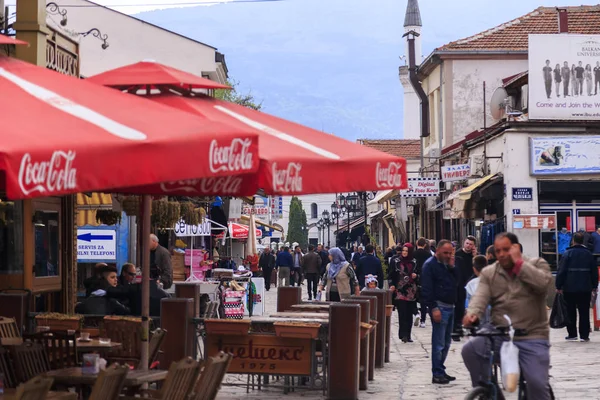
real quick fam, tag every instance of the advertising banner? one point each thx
(563, 70)
(565, 155)
(459, 172)
(422, 187)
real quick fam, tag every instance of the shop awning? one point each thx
(440, 206)
(376, 214)
(383, 196)
(344, 224)
(246, 219)
(465, 194)
(94, 201)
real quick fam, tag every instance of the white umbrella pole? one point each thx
(146, 211)
(192, 277)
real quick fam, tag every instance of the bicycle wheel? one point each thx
(479, 393)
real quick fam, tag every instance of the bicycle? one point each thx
(491, 390)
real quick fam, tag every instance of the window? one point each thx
(11, 237)
(47, 241)
(314, 211)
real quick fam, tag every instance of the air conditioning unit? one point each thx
(477, 163)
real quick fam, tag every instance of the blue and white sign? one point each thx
(522, 194)
(96, 245)
(458, 172)
(516, 211)
(182, 229)
(566, 155)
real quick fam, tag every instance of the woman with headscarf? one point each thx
(403, 279)
(339, 279)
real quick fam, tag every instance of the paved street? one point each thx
(408, 375)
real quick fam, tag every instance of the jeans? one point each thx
(283, 276)
(441, 338)
(578, 303)
(534, 360)
(423, 312)
(548, 83)
(312, 280)
(267, 271)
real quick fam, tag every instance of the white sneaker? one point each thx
(422, 325)
(417, 320)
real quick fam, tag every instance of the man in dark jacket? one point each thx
(324, 254)
(311, 268)
(438, 292)
(369, 265)
(464, 268)
(161, 259)
(577, 278)
(421, 256)
(284, 264)
(358, 254)
(266, 264)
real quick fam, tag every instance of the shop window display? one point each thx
(46, 244)
(11, 237)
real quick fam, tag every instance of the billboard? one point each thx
(422, 187)
(565, 155)
(564, 74)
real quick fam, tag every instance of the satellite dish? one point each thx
(498, 103)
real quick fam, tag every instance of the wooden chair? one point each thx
(128, 332)
(210, 379)
(60, 347)
(34, 389)
(109, 384)
(30, 360)
(156, 341)
(7, 369)
(9, 332)
(179, 383)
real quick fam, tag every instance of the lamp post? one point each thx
(320, 228)
(328, 221)
(336, 213)
(352, 208)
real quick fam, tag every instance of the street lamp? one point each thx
(351, 208)
(328, 221)
(320, 228)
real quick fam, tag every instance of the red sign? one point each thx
(239, 231)
(539, 221)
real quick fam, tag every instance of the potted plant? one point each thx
(60, 322)
(131, 205)
(232, 327)
(108, 217)
(302, 330)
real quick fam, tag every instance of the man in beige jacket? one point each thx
(517, 287)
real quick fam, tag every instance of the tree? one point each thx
(232, 95)
(297, 229)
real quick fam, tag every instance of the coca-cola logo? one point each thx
(234, 157)
(288, 179)
(225, 185)
(51, 176)
(390, 176)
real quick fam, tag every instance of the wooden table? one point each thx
(94, 345)
(74, 377)
(304, 315)
(10, 393)
(311, 307)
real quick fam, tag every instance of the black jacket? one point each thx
(577, 271)
(266, 261)
(325, 260)
(101, 306)
(438, 283)
(421, 255)
(464, 265)
(369, 265)
(133, 293)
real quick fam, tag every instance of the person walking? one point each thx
(283, 264)
(577, 279)
(438, 288)
(160, 258)
(369, 264)
(311, 268)
(296, 271)
(464, 267)
(403, 281)
(266, 264)
(422, 254)
(324, 254)
(339, 280)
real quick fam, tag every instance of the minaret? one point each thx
(412, 112)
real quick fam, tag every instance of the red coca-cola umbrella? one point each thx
(9, 40)
(154, 75)
(63, 135)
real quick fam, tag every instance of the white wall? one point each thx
(130, 40)
(411, 104)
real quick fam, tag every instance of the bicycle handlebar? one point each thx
(499, 331)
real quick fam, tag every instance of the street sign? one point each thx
(541, 221)
(182, 229)
(516, 211)
(522, 194)
(96, 245)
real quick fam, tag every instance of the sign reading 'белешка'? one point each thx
(266, 354)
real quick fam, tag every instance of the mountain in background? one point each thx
(328, 64)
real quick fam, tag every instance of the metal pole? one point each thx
(146, 211)
(485, 170)
(329, 234)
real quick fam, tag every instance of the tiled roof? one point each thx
(407, 148)
(513, 35)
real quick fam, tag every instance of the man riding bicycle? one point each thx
(515, 286)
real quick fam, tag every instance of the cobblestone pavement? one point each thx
(408, 375)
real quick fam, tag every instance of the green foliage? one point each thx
(232, 95)
(297, 227)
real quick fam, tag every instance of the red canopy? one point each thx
(149, 73)
(294, 159)
(63, 135)
(8, 40)
(240, 231)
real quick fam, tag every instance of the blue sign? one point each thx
(516, 211)
(96, 245)
(522, 194)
